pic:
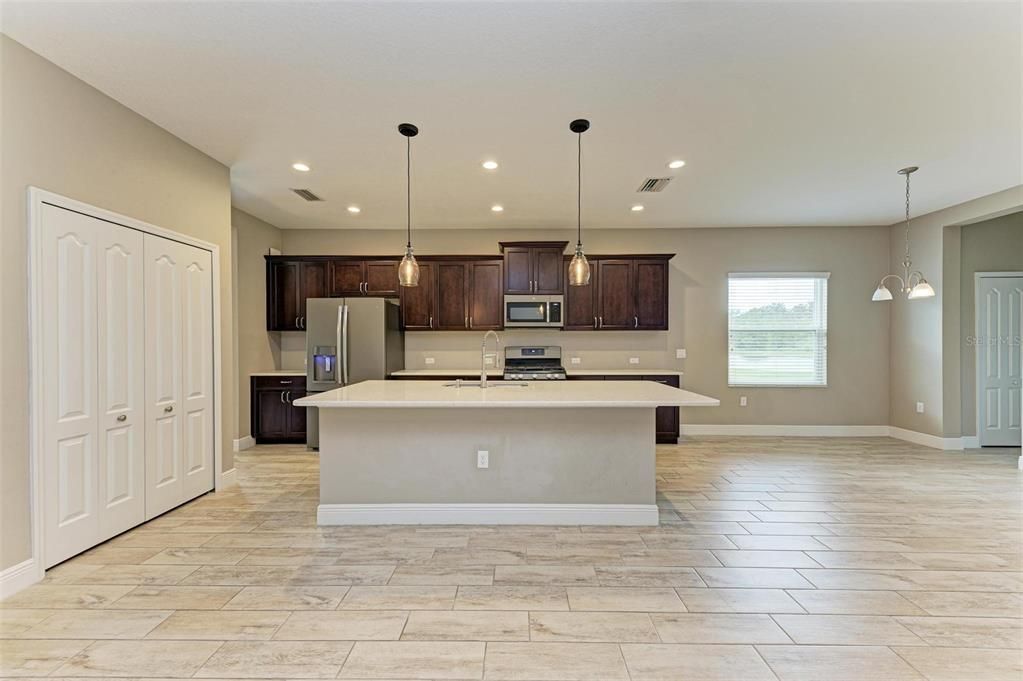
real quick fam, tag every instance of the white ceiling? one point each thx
(786, 113)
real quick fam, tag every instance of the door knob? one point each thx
(169, 408)
(122, 417)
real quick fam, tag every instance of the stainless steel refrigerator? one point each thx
(349, 340)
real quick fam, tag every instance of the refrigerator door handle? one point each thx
(343, 344)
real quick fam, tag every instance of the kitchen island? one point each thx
(556, 452)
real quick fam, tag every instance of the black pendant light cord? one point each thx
(579, 193)
(408, 189)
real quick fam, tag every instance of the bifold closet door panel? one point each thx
(90, 332)
(179, 373)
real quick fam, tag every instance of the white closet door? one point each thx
(179, 373)
(91, 335)
(1000, 302)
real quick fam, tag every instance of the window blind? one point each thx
(778, 329)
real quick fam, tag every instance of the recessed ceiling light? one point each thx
(676, 164)
(497, 208)
(490, 165)
(354, 209)
(637, 208)
(300, 167)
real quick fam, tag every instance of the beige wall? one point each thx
(257, 350)
(858, 330)
(60, 134)
(920, 368)
(989, 246)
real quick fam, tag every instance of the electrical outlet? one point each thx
(488, 360)
(742, 400)
(577, 360)
(919, 407)
(429, 360)
(634, 360)
(680, 353)
(482, 459)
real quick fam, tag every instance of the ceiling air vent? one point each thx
(654, 184)
(307, 195)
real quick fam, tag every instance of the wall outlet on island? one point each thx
(488, 360)
(634, 360)
(742, 400)
(576, 360)
(919, 407)
(680, 353)
(482, 458)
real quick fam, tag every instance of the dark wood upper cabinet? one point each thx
(288, 284)
(346, 277)
(580, 301)
(486, 302)
(452, 313)
(651, 282)
(381, 277)
(533, 266)
(314, 284)
(418, 302)
(615, 294)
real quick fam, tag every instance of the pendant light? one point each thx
(921, 289)
(408, 270)
(579, 268)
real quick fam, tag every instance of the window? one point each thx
(778, 329)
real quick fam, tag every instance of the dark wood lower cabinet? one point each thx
(275, 418)
(666, 419)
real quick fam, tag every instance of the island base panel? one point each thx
(547, 466)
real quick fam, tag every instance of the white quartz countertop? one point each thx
(279, 372)
(475, 373)
(535, 394)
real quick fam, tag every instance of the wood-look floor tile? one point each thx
(107, 659)
(967, 632)
(543, 661)
(593, 627)
(838, 602)
(97, 624)
(287, 598)
(399, 598)
(234, 625)
(415, 660)
(765, 558)
(419, 575)
(14, 622)
(138, 574)
(197, 556)
(553, 575)
(75, 597)
(36, 657)
(862, 630)
(967, 603)
(682, 662)
(964, 664)
(647, 576)
(177, 597)
(913, 580)
(718, 628)
(738, 600)
(466, 625)
(343, 625)
(511, 598)
(276, 660)
(837, 663)
(631, 599)
(763, 578)
(863, 560)
(671, 558)
(767, 542)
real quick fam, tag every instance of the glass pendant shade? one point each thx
(579, 269)
(408, 270)
(882, 293)
(922, 290)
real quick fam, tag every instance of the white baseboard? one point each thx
(228, 478)
(790, 431)
(971, 442)
(244, 443)
(935, 441)
(18, 577)
(487, 514)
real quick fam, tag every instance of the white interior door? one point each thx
(91, 397)
(179, 373)
(999, 306)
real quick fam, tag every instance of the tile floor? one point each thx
(793, 559)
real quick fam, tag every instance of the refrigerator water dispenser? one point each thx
(325, 363)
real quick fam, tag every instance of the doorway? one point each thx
(999, 309)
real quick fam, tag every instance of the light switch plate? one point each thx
(577, 360)
(429, 360)
(634, 360)
(742, 400)
(680, 353)
(919, 407)
(482, 459)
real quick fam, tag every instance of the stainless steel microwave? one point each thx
(534, 311)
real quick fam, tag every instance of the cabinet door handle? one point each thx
(169, 408)
(364, 287)
(467, 322)
(282, 397)
(122, 418)
(470, 322)
(594, 322)
(635, 322)
(431, 321)
(296, 323)
(287, 397)
(600, 322)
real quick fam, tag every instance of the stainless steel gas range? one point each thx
(533, 363)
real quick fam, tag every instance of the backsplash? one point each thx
(461, 350)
